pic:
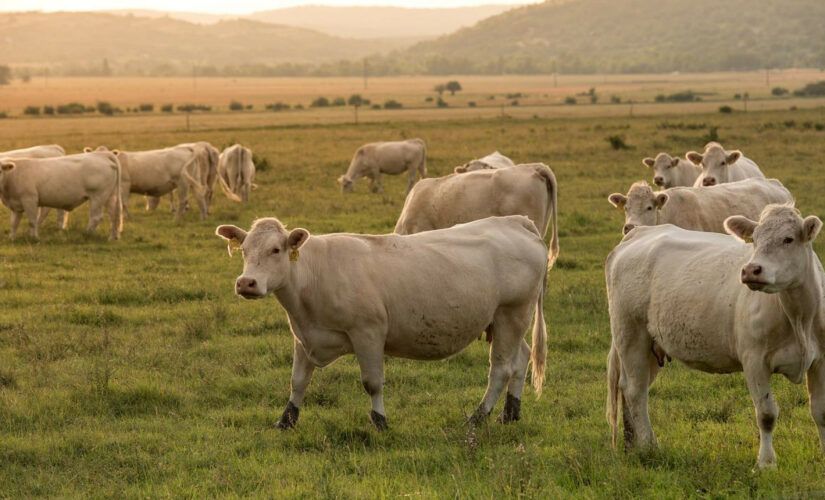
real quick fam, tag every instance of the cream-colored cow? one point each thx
(669, 171)
(393, 158)
(720, 166)
(43, 151)
(207, 166)
(236, 172)
(492, 161)
(425, 296)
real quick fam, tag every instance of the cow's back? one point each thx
(745, 168)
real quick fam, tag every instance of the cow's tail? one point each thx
(613, 391)
(227, 190)
(422, 167)
(195, 183)
(118, 209)
(552, 211)
(538, 352)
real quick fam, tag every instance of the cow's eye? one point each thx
(276, 250)
(650, 208)
(722, 163)
(787, 241)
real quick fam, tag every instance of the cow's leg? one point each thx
(379, 187)
(507, 330)
(758, 378)
(413, 178)
(636, 359)
(95, 214)
(203, 205)
(62, 219)
(369, 350)
(114, 207)
(816, 392)
(301, 375)
(15, 223)
(125, 191)
(512, 406)
(182, 195)
(152, 202)
(44, 212)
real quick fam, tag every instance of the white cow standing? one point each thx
(669, 171)
(207, 167)
(42, 151)
(236, 172)
(720, 166)
(393, 158)
(492, 161)
(64, 183)
(425, 296)
(718, 304)
(697, 208)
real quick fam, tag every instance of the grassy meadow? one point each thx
(130, 369)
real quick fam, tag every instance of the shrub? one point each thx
(441, 103)
(72, 108)
(261, 163)
(248, 107)
(819, 127)
(453, 86)
(299, 106)
(89, 109)
(188, 108)
(105, 108)
(147, 107)
(3, 115)
(428, 99)
(617, 142)
(235, 106)
(725, 109)
(339, 101)
(660, 98)
(737, 96)
(320, 102)
(570, 100)
(514, 95)
(167, 108)
(471, 104)
(48, 110)
(32, 110)
(393, 104)
(376, 106)
(278, 106)
(779, 91)
(615, 99)
(514, 102)
(816, 89)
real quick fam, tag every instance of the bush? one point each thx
(278, 106)
(248, 107)
(105, 108)
(261, 163)
(72, 108)
(428, 99)
(376, 106)
(660, 98)
(617, 142)
(393, 104)
(3, 115)
(737, 96)
(235, 106)
(167, 108)
(779, 91)
(299, 106)
(147, 107)
(615, 99)
(441, 103)
(471, 104)
(725, 109)
(515, 95)
(32, 110)
(339, 101)
(514, 102)
(570, 100)
(48, 110)
(188, 108)
(685, 96)
(320, 102)
(811, 90)
(89, 109)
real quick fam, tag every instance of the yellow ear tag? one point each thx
(293, 254)
(748, 239)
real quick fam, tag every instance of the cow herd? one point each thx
(468, 258)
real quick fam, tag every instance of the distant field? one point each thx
(131, 370)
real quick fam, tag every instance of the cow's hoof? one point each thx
(289, 418)
(477, 418)
(380, 421)
(512, 410)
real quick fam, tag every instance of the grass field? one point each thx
(130, 369)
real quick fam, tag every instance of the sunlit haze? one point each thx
(220, 6)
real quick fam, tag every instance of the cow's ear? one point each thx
(732, 157)
(87, 149)
(460, 170)
(618, 200)
(7, 166)
(674, 162)
(661, 199)
(741, 227)
(694, 158)
(297, 237)
(648, 162)
(810, 227)
(233, 235)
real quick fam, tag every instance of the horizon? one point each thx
(243, 7)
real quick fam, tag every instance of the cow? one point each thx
(43, 151)
(670, 171)
(751, 303)
(207, 165)
(236, 172)
(65, 183)
(425, 296)
(695, 208)
(529, 189)
(492, 161)
(720, 166)
(160, 171)
(393, 158)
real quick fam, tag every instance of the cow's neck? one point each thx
(302, 275)
(803, 306)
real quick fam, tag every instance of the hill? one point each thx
(585, 36)
(78, 42)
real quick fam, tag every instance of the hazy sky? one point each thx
(222, 6)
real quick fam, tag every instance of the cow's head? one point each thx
(662, 174)
(269, 255)
(472, 166)
(782, 250)
(640, 206)
(346, 183)
(714, 162)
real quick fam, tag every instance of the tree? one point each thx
(440, 88)
(453, 86)
(5, 75)
(355, 101)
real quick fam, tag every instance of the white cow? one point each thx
(442, 202)
(393, 158)
(718, 304)
(425, 296)
(698, 209)
(207, 166)
(492, 161)
(720, 166)
(669, 171)
(236, 172)
(43, 151)
(65, 183)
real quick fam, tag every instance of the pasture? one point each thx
(130, 369)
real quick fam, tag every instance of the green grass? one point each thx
(130, 369)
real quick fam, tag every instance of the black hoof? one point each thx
(512, 410)
(380, 421)
(478, 417)
(289, 418)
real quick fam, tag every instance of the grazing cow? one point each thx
(720, 166)
(207, 165)
(669, 171)
(718, 304)
(393, 158)
(425, 296)
(44, 151)
(697, 209)
(492, 161)
(236, 172)
(159, 172)
(65, 183)
(528, 189)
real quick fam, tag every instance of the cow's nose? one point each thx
(709, 181)
(751, 271)
(658, 181)
(627, 228)
(245, 285)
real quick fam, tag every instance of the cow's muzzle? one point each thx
(248, 288)
(752, 276)
(709, 181)
(659, 181)
(627, 228)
